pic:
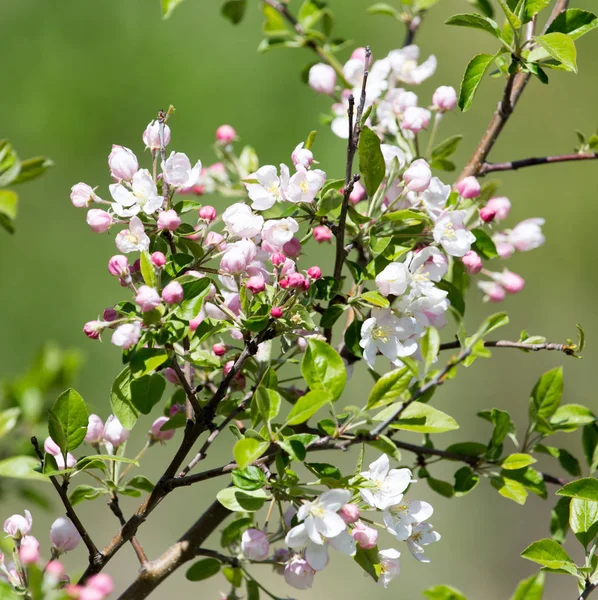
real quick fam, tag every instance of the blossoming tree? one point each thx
(224, 310)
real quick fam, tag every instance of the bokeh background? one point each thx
(80, 76)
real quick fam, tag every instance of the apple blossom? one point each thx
(389, 153)
(276, 312)
(173, 293)
(322, 79)
(292, 248)
(127, 335)
(158, 259)
(133, 239)
(82, 195)
(225, 134)
(390, 567)
(168, 220)
(118, 265)
(366, 537)
(472, 262)
(17, 526)
(219, 349)
(207, 213)
(256, 284)
(393, 279)
(101, 582)
(511, 282)
(254, 544)
(469, 187)
(95, 430)
(418, 176)
(386, 485)
(358, 193)
(99, 220)
(178, 172)
(170, 375)
(93, 329)
(156, 433)
(29, 550)
(314, 272)
(147, 298)
(422, 535)
(123, 163)
(114, 433)
(501, 207)
(493, 291)
(415, 119)
(298, 573)
(451, 234)
(322, 234)
(151, 136)
(64, 535)
(143, 196)
(51, 447)
(444, 98)
(302, 156)
(401, 518)
(527, 235)
(304, 185)
(265, 187)
(241, 222)
(277, 232)
(403, 64)
(487, 214)
(214, 239)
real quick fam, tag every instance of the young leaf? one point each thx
(21, 467)
(147, 391)
(548, 553)
(203, 569)
(71, 412)
(443, 592)
(237, 500)
(234, 10)
(307, 405)
(371, 161)
(247, 450)
(121, 400)
(517, 461)
(509, 488)
(531, 588)
(249, 478)
(323, 369)
(147, 269)
(381, 8)
(475, 21)
(584, 489)
(561, 47)
(570, 417)
(168, 6)
(512, 18)
(369, 561)
(389, 387)
(547, 393)
(423, 418)
(584, 520)
(475, 71)
(574, 22)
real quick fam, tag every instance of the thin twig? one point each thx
(520, 345)
(114, 506)
(62, 489)
(189, 393)
(590, 587)
(530, 162)
(413, 26)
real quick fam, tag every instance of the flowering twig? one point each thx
(94, 554)
(530, 162)
(520, 345)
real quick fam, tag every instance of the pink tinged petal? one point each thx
(297, 537)
(317, 556)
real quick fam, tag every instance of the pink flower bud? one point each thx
(135, 267)
(173, 293)
(93, 329)
(256, 284)
(168, 220)
(95, 430)
(170, 375)
(276, 312)
(445, 98)
(227, 367)
(101, 582)
(284, 283)
(118, 266)
(127, 335)
(215, 239)
(487, 214)
(64, 535)
(82, 195)
(29, 550)
(255, 545)
(469, 187)
(512, 282)
(55, 569)
(365, 536)
(109, 315)
(151, 136)
(195, 323)
(219, 349)
(358, 193)
(322, 234)
(123, 163)
(17, 526)
(298, 573)
(99, 220)
(225, 134)
(89, 593)
(207, 213)
(51, 447)
(114, 432)
(349, 513)
(314, 272)
(147, 298)
(505, 249)
(292, 248)
(527, 235)
(176, 408)
(158, 259)
(302, 156)
(501, 206)
(278, 258)
(472, 262)
(418, 176)
(322, 79)
(415, 119)
(493, 291)
(359, 54)
(156, 431)
(296, 280)
(281, 556)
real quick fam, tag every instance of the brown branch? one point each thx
(62, 489)
(590, 587)
(413, 26)
(114, 506)
(520, 345)
(530, 162)
(189, 393)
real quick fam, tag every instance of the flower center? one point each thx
(449, 232)
(382, 333)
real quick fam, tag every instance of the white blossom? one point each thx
(269, 188)
(425, 267)
(403, 64)
(133, 239)
(277, 232)
(451, 234)
(393, 279)
(143, 195)
(241, 222)
(389, 153)
(422, 535)
(387, 485)
(435, 197)
(305, 184)
(390, 566)
(177, 171)
(400, 518)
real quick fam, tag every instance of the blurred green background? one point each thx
(79, 76)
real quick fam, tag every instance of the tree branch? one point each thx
(114, 506)
(520, 345)
(530, 162)
(590, 587)
(62, 489)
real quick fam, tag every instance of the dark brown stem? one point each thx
(520, 345)
(413, 26)
(189, 393)
(114, 506)
(530, 162)
(94, 554)
(590, 587)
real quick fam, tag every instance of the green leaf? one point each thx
(85, 492)
(323, 368)
(559, 520)
(147, 269)
(249, 478)
(385, 444)
(561, 47)
(570, 417)
(194, 292)
(332, 314)
(533, 7)
(512, 18)
(444, 488)
(248, 450)
(142, 483)
(21, 467)
(381, 8)
(547, 393)
(421, 417)
(590, 445)
(509, 488)
(8, 419)
(389, 387)
(484, 245)
(368, 560)
(241, 500)
(32, 168)
(274, 25)
(517, 461)
(147, 391)
(168, 6)
(71, 412)
(446, 148)
(371, 161)
(268, 403)
(584, 489)
(531, 588)
(9, 202)
(573, 22)
(375, 299)
(465, 481)
(584, 520)
(475, 71)
(475, 21)
(307, 405)
(548, 553)
(203, 569)
(234, 10)
(429, 347)
(491, 324)
(483, 6)
(121, 400)
(147, 360)
(443, 592)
